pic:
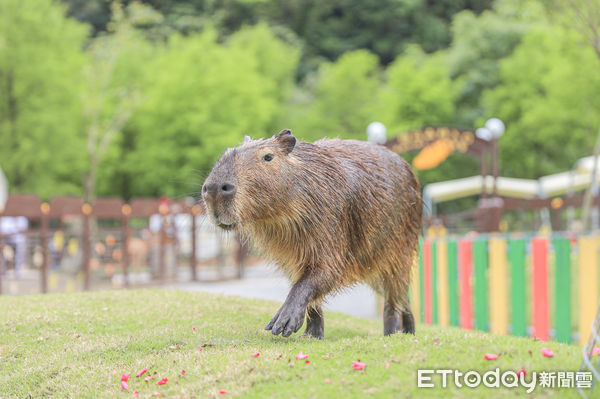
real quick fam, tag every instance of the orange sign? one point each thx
(433, 154)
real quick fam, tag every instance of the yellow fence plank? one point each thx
(498, 283)
(588, 286)
(442, 271)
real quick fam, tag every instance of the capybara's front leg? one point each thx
(290, 317)
(314, 322)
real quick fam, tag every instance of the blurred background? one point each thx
(112, 114)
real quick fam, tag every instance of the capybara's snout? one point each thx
(218, 195)
(215, 191)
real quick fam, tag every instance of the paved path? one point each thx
(262, 281)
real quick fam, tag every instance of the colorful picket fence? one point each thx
(546, 287)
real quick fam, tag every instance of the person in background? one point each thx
(14, 230)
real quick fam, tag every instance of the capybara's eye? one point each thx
(268, 157)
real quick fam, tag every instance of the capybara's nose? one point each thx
(227, 191)
(223, 190)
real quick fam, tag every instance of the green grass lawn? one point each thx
(79, 345)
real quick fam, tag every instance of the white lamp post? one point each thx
(376, 133)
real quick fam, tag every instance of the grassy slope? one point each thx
(78, 345)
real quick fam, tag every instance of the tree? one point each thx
(549, 106)
(585, 16)
(40, 81)
(343, 101)
(478, 44)
(113, 86)
(418, 92)
(202, 96)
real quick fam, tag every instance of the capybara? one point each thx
(330, 214)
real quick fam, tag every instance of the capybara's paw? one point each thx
(287, 320)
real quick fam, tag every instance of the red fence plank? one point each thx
(427, 280)
(539, 250)
(465, 267)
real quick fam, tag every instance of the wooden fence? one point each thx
(41, 213)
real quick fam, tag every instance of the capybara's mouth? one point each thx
(226, 226)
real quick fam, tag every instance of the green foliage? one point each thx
(113, 86)
(549, 92)
(479, 42)
(343, 101)
(418, 92)
(202, 96)
(146, 105)
(40, 91)
(325, 29)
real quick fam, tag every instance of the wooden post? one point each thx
(483, 162)
(86, 210)
(495, 166)
(194, 212)
(240, 256)
(45, 208)
(125, 212)
(163, 209)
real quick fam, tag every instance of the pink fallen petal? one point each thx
(521, 372)
(182, 372)
(257, 354)
(162, 381)
(200, 349)
(358, 365)
(307, 362)
(547, 352)
(596, 351)
(490, 356)
(194, 329)
(148, 378)
(301, 356)
(141, 372)
(327, 380)
(125, 377)
(135, 394)
(222, 392)
(387, 366)
(416, 341)
(124, 385)
(436, 341)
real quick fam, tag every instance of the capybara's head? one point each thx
(250, 182)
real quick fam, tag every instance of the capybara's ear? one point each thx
(286, 140)
(247, 139)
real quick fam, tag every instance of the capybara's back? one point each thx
(330, 214)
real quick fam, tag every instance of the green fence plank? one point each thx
(434, 283)
(516, 258)
(562, 292)
(453, 282)
(421, 283)
(480, 258)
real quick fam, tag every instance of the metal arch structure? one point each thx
(463, 141)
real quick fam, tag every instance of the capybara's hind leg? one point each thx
(408, 322)
(392, 319)
(314, 322)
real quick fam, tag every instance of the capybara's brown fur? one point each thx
(329, 214)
